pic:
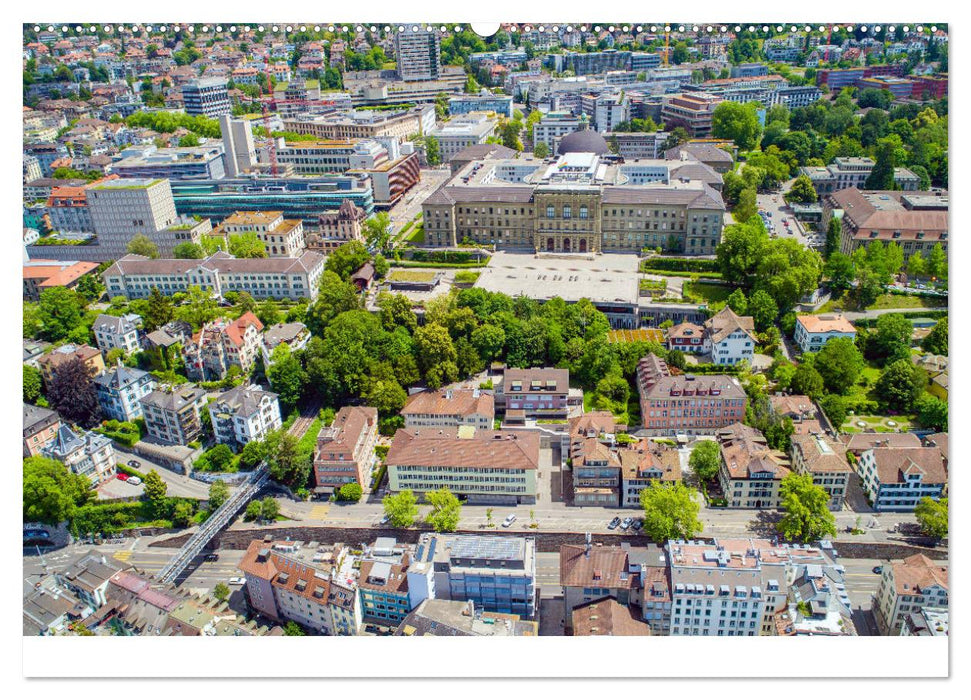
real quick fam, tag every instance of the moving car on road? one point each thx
(237, 581)
(134, 463)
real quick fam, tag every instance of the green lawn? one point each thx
(876, 424)
(411, 275)
(886, 301)
(697, 292)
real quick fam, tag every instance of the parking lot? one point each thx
(781, 223)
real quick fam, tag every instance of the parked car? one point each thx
(237, 581)
(122, 476)
(384, 521)
(638, 524)
(510, 519)
(612, 525)
(878, 569)
(134, 463)
(134, 480)
(627, 522)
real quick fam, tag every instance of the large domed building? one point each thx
(583, 140)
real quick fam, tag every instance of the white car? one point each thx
(510, 519)
(134, 480)
(237, 581)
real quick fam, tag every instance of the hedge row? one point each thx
(681, 264)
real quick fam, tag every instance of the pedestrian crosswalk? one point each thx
(320, 511)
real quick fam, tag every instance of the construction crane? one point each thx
(667, 43)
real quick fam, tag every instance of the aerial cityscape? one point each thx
(405, 330)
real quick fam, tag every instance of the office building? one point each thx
(552, 127)
(450, 408)
(693, 111)
(461, 132)
(455, 618)
(485, 102)
(483, 466)
(39, 275)
(183, 163)
(498, 574)
(206, 97)
(365, 124)
(844, 173)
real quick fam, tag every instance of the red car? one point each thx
(122, 476)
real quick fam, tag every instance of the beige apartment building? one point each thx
(820, 457)
(751, 474)
(283, 238)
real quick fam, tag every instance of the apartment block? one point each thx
(172, 415)
(206, 98)
(823, 459)
(418, 55)
(89, 454)
(122, 209)
(907, 587)
(40, 427)
(120, 391)
(688, 404)
(222, 344)
(693, 111)
(345, 450)
(589, 573)
(134, 276)
(49, 363)
(895, 480)
(244, 414)
(315, 586)
(751, 473)
(484, 466)
(116, 332)
(537, 392)
(450, 408)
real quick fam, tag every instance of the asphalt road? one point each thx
(178, 484)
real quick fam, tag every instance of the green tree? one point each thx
(31, 384)
(932, 517)
(839, 363)
(52, 493)
(253, 511)
(892, 338)
(802, 191)
(737, 302)
(386, 395)
(189, 251)
(396, 312)
(335, 296)
(901, 384)
(154, 492)
(705, 460)
(737, 122)
(269, 508)
(90, 288)
(286, 376)
(433, 152)
(740, 250)
(140, 244)
(541, 150)
(347, 259)
(937, 262)
(218, 493)
(931, 412)
(806, 515)
(835, 409)
(350, 492)
(747, 206)
(807, 380)
(763, 310)
(268, 311)
(286, 464)
(916, 265)
(433, 346)
(221, 592)
(834, 232)
(841, 272)
(159, 310)
(220, 457)
(292, 629)
(934, 342)
(376, 230)
(401, 508)
(199, 307)
(60, 313)
(881, 177)
(247, 245)
(670, 512)
(182, 513)
(446, 510)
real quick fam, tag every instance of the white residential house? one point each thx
(730, 338)
(120, 390)
(896, 479)
(89, 454)
(813, 332)
(112, 332)
(244, 414)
